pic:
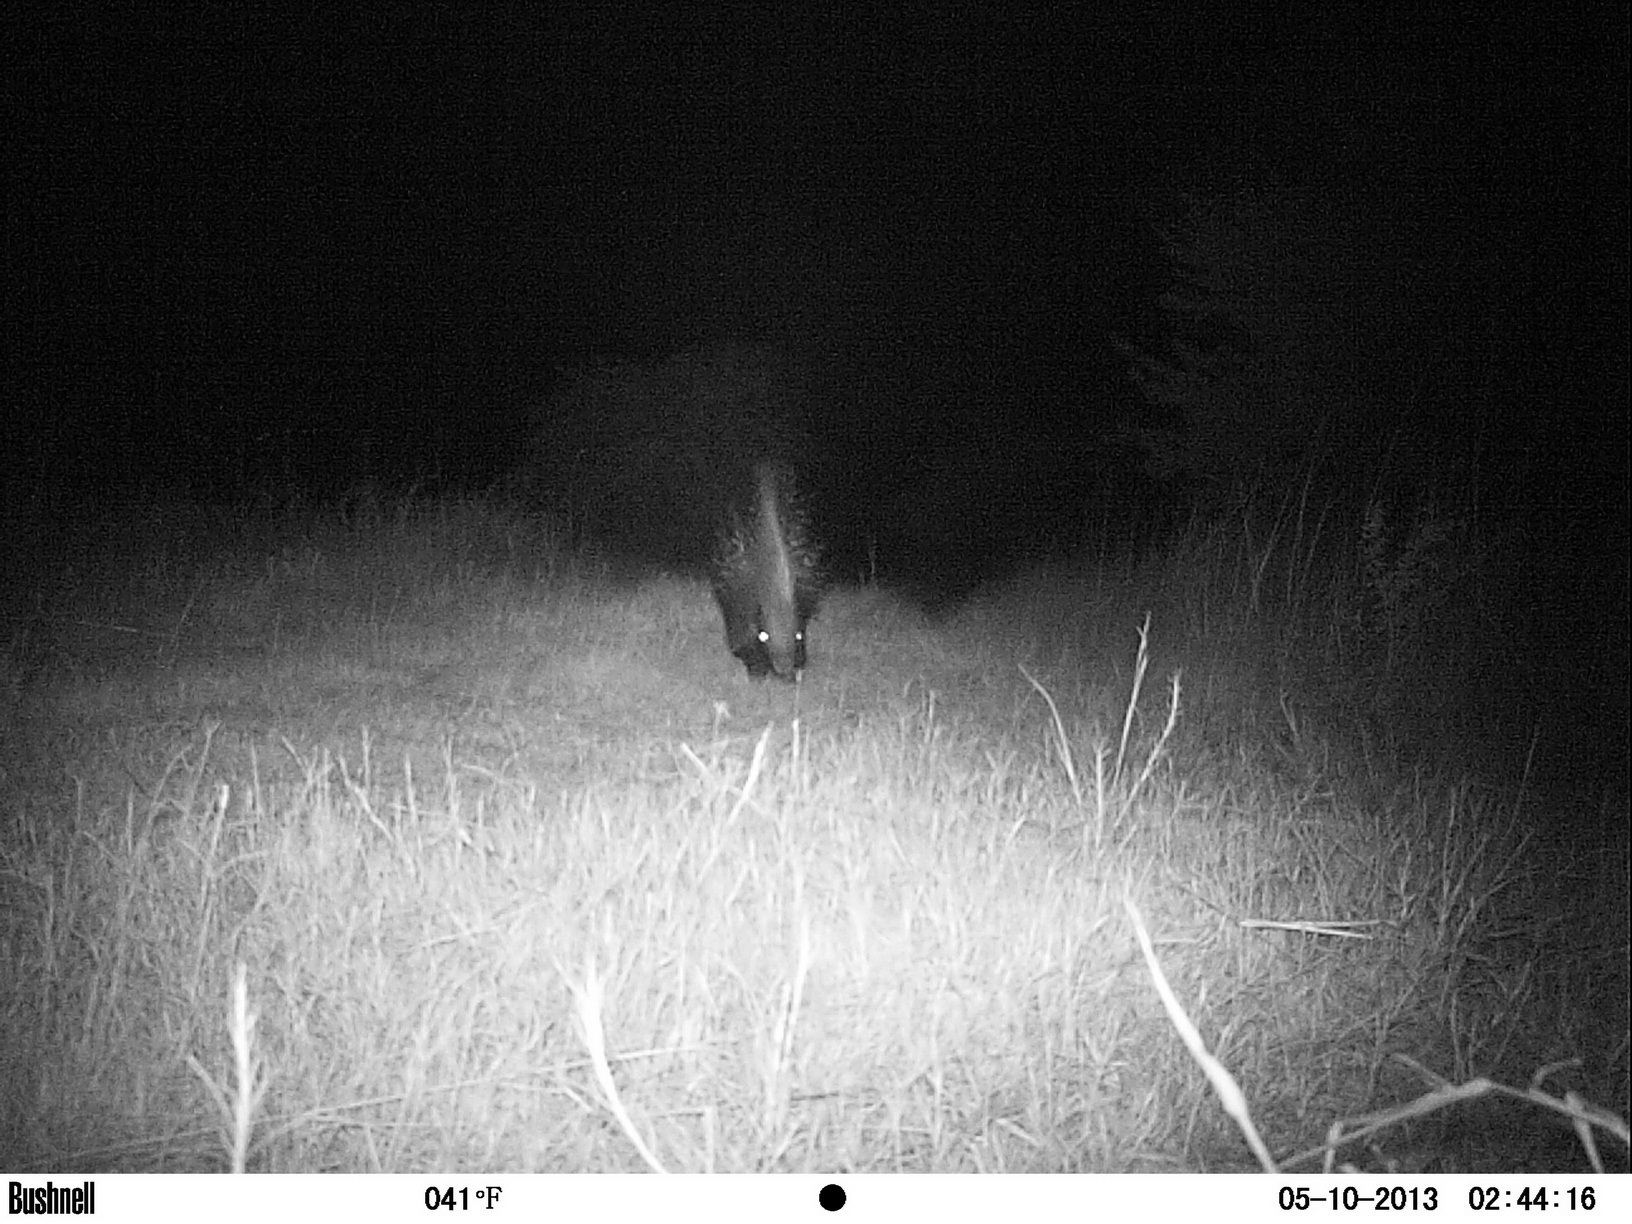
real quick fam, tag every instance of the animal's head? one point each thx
(781, 636)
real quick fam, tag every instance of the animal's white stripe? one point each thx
(781, 564)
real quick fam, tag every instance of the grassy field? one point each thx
(408, 840)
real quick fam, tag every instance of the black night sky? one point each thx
(245, 248)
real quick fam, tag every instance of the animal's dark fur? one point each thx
(767, 579)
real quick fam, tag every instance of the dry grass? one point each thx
(402, 843)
